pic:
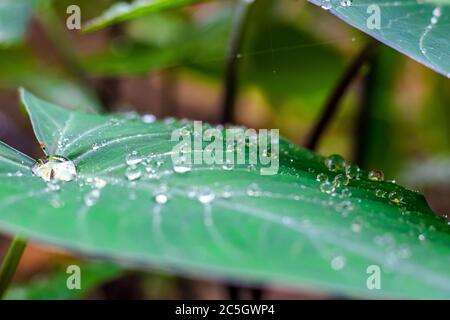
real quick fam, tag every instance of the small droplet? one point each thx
(345, 206)
(205, 196)
(286, 220)
(421, 237)
(338, 263)
(326, 5)
(356, 227)
(322, 177)
(376, 175)
(395, 198)
(161, 198)
(99, 183)
(327, 187)
(352, 171)
(148, 118)
(133, 173)
(345, 193)
(254, 190)
(228, 166)
(227, 192)
(380, 193)
(92, 197)
(53, 187)
(341, 180)
(134, 158)
(182, 168)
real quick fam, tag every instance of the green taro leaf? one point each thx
(123, 11)
(215, 222)
(419, 29)
(14, 17)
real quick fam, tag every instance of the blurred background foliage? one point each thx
(395, 117)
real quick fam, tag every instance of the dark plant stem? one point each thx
(234, 292)
(256, 294)
(169, 94)
(332, 104)
(376, 119)
(231, 82)
(108, 87)
(363, 118)
(10, 263)
(231, 74)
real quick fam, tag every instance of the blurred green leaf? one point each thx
(19, 67)
(14, 18)
(123, 11)
(286, 63)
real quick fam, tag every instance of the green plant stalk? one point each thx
(333, 101)
(239, 28)
(10, 263)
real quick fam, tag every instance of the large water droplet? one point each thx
(55, 168)
(335, 163)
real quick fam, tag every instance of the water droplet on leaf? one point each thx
(395, 197)
(338, 263)
(55, 168)
(205, 196)
(133, 173)
(376, 175)
(327, 187)
(335, 163)
(134, 158)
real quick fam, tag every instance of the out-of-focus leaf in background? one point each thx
(14, 18)
(122, 11)
(18, 67)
